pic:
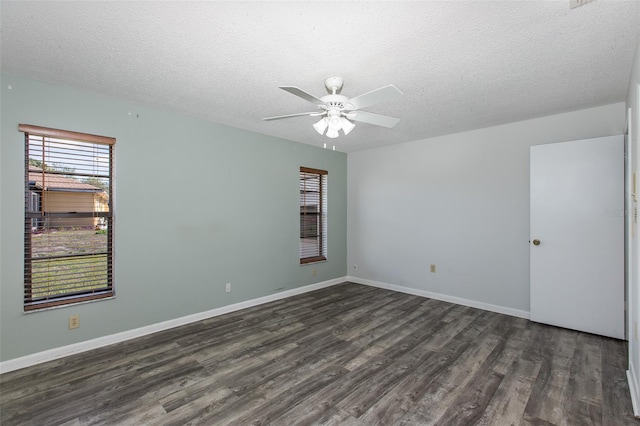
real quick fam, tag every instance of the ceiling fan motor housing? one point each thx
(336, 101)
(334, 84)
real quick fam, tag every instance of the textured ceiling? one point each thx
(461, 65)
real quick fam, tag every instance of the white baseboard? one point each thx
(55, 353)
(445, 298)
(633, 390)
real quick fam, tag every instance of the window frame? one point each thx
(321, 222)
(31, 303)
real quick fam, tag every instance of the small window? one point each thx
(68, 221)
(313, 215)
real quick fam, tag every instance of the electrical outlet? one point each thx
(74, 321)
(433, 268)
(314, 272)
(227, 288)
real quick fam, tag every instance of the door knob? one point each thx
(536, 242)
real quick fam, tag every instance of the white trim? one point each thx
(633, 390)
(446, 298)
(55, 353)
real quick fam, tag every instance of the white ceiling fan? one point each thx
(338, 111)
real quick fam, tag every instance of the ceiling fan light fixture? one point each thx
(347, 126)
(321, 125)
(331, 133)
(334, 120)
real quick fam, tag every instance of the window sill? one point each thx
(68, 305)
(312, 261)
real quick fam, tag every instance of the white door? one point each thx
(577, 235)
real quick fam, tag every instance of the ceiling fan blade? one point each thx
(383, 94)
(310, 114)
(302, 94)
(376, 119)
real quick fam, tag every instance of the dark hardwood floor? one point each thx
(347, 354)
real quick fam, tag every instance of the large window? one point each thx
(313, 215)
(68, 220)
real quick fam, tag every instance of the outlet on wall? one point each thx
(227, 288)
(314, 272)
(74, 321)
(433, 268)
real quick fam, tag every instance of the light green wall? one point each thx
(197, 205)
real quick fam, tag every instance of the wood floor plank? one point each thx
(343, 355)
(468, 408)
(198, 411)
(136, 415)
(87, 376)
(319, 403)
(415, 385)
(371, 390)
(510, 399)
(554, 348)
(459, 380)
(337, 417)
(296, 392)
(223, 373)
(357, 326)
(54, 378)
(378, 340)
(583, 401)
(452, 328)
(94, 401)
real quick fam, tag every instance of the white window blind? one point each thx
(313, 215)
(68, 227)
